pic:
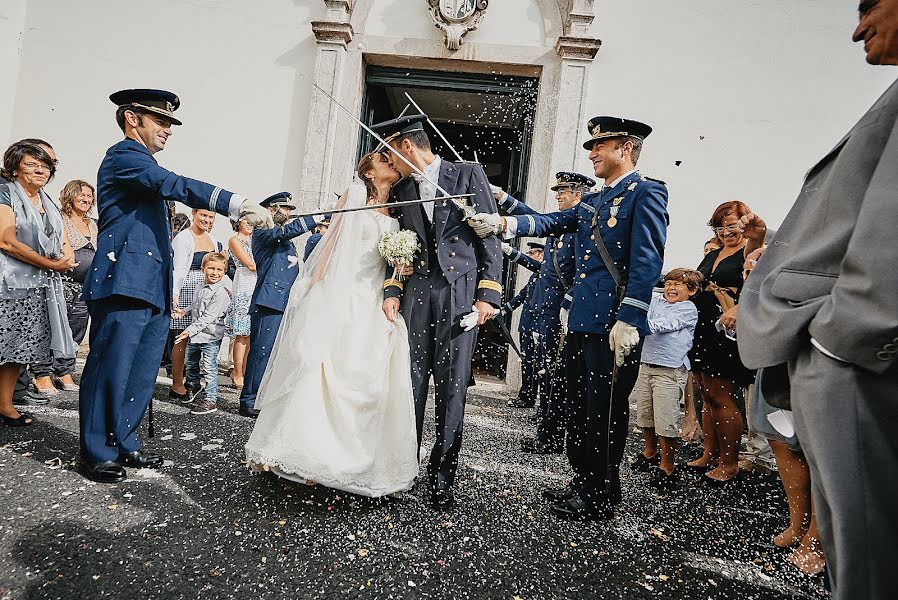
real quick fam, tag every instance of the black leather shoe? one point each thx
(103, 472)
(521, 403)
(559, 494)
(644, 464)
(442, 499)
(140, 459)
(664, 482)
(575, 509)
(249, 412)
(533, 446)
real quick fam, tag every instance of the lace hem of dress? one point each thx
(258, 462)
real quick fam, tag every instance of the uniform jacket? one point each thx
(277, 264)
(529, 314)
(134, 240)
(549, 290)
(310, 245)
(457, 249)
(636, 244)
(829, 272)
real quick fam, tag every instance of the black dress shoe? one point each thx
(664, 482)
(140, 459)
(442, 499)
(559, 494)
(249, 412)
(643, 463)
(103, 472)
(575, 509)
(533, 446)
(521, 403)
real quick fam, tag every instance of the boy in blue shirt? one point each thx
(664, 367)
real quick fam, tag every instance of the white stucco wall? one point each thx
(241, 74)
(12, 29)
(771, 86)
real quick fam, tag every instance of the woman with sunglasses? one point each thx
(716, 365)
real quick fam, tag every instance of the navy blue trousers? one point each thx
(530, 364)
(597, 420)
(552, 413)
(126, 341)
(263, 330)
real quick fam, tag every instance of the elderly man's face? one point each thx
(878, 29)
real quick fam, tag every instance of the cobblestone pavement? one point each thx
(204, 526)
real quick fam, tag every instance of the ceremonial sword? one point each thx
(468, 211)
(375, 206)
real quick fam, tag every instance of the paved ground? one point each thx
(205, 527)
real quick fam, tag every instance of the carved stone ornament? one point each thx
(456, 18)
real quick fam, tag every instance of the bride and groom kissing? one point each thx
(342, 401)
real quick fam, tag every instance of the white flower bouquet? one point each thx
(398, 248)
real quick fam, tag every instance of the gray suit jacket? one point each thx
(831, 270)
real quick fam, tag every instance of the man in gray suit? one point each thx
(821, 308)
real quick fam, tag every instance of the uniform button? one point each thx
(452, 254)
(892, 348)
(582, 275)
(560, 244)
(586, 257)
(451, 268)
(883, 355)
(454, 238)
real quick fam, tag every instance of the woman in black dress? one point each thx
(716, 365)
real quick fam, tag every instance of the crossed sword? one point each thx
(458, 200)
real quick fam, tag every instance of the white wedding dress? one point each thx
(336, 402)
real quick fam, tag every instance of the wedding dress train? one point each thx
(336, 402)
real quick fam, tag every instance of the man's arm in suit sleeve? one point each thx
(858, 322)
(489, 250)
(276, 235)
(139, 169)
(518, 257)
(648, 236)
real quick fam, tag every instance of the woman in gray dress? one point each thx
(34, 250)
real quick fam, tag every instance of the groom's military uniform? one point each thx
(454, 269)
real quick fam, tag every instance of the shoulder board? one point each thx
(655, 180)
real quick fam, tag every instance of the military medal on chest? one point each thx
(615, 208)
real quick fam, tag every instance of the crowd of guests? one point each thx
(46, 251)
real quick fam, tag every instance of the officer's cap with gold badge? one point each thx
(284, 199)
(601, 128)
(567, 180)
(159, 102)
(392, 129)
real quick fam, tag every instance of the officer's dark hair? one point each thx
(120, 114)
(418, 138)
(637, 146)
(17, 152)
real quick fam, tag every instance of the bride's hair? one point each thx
(365, 165)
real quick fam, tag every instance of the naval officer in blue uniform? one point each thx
(550, 297)
(129, 288)
(621, 232)
(528, 322)
(277, 265)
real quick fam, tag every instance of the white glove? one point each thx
(506, 249)
(563, 315)
(469, 321)
(255, 215)
(498, 192)
(622, 339)
(485, 224)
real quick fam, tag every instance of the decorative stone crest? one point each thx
(456, 18)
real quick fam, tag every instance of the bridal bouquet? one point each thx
(398, 248)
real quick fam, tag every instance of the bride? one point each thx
(336, 401)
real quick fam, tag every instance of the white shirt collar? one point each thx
(433, 169)
(608, 186)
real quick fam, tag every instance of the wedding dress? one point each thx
(336, 402)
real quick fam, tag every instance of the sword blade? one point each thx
(383, 143)
(439, 133)
(376, 206)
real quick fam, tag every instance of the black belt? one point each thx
(656, 366)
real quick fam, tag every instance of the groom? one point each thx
(455, 271)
